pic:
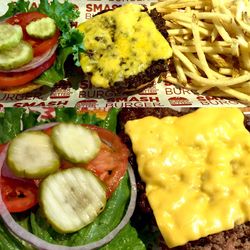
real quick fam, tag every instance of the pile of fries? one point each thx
(211, 45)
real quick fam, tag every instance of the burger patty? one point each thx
(137, 83)
(236, 238)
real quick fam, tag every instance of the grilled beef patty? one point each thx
(236, 238)
(143, 80)
(137, 83)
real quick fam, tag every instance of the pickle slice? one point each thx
(16, 57)
(75, 142)
(10, 35)
(43, 28)
(31, 155)
(71, 199)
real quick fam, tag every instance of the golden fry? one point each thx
(211, 45)
(207, 49)
(185, 60)
(233, 92)
(227, 81)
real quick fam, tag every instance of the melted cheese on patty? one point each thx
(121, 43)
(196, 169)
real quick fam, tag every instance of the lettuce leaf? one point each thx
(105, 222)
(56, 73)
(10, 124)
(64, 14)
(70, 115)
(16, 7)
(110, 121)
(15, 120)
(8, 241)
(126, 239)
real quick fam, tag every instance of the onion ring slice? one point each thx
(35, 241)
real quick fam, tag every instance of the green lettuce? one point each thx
(64, 14)
(20, 6)
(14, 121)
(8, 241)
(55, 73)
(105, 222)
(10, 124)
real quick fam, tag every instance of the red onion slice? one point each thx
(36, 62)
(25, 235)
(7, 173)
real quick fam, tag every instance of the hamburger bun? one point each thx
(21, 89)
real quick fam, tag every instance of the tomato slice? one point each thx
(110, 164)
(44, 46)
(18, 79)
(40, 46)
(2, 147)
(18, 195)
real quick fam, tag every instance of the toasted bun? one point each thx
(131, 91)
(21, 89)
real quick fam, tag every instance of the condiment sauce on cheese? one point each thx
(119, 44)
(196, 169)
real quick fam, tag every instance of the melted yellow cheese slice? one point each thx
(119, 44)
(196, 169)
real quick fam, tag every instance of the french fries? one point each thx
(211, 45)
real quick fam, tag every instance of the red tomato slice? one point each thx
(2, 147)
(18, 195)
(111, 162)
(39, 46)
(18, 79)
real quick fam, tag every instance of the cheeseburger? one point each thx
(125, 49)
(195, 170)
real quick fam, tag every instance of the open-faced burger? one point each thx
(35, 41)
(125, 48)
(194, 171)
